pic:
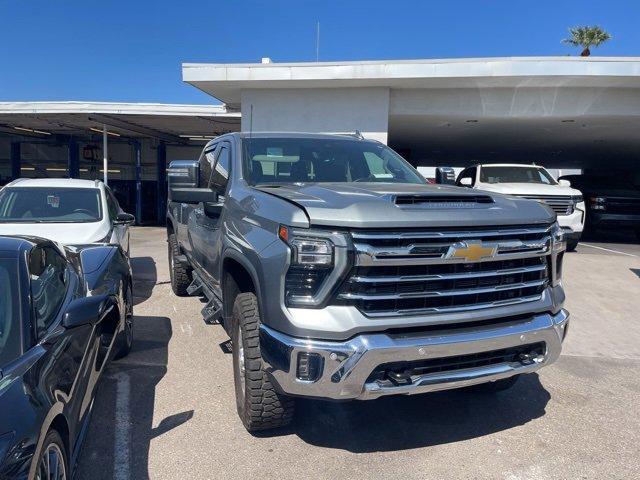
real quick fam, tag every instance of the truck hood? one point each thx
(65, 233)
(532, 189)
(374, 205)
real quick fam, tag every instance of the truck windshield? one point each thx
(516, 175)
(9, 317)
(50, 205)
(313, 160)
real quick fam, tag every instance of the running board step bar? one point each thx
(212, 311)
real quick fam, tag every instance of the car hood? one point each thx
(65, 233)
(532, 189)
(374, 205)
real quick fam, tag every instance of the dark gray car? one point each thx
(339, 273)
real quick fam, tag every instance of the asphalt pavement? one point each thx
(168, 411)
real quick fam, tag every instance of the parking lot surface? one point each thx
(168, 411)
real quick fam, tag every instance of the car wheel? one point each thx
(572, 245)
(125, 342)
(179, 273)
(52, 461)
(259, 405)
(495, 387)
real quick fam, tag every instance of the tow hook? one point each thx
(399, 378)
(530, 358)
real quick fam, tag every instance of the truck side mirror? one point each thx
(564, 183)
(192, 195)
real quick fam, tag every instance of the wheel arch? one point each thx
(236, 267)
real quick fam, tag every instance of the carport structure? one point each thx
(129, 144)
(562, 112)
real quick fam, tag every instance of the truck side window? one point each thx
(220, 176)
(206, 162)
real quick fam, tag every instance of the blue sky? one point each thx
(131, 51)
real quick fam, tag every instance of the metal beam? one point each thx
(132, 127)
(138, 155)
(16, 160)
(161, 163)
(73, 167)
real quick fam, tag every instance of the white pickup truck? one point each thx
(535, 183)
(68, 211)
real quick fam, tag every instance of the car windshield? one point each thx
(50, 205)
(9, 317)
(516, 175)
(313, 160)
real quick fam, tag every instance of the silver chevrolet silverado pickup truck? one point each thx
(339, 273)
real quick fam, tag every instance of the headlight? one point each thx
(318, 260)
(558, 247)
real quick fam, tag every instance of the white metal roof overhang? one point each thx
(172, 123)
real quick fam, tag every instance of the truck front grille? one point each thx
(413, 272)
(561, 204)
(623, 206)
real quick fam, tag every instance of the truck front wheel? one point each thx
(260, 406)
(180, 274)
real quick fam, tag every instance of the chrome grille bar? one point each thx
(450, 276)
(475, 234)
(443, 293)
(560, 204)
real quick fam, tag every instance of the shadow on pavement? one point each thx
(145, 278)
(399, 423)
(127, 396)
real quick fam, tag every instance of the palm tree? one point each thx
(586, 37)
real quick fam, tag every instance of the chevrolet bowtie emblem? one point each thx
(471, 251)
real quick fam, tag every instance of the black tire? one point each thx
(53, 446)
(179, 272)
(572, 245)
(495, 387)
(259, 405)
(125, 341)
(637, 233)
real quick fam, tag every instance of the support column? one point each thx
(16, 160)
(138, 149)
(73, 164)
(161, 162)
(105, 154)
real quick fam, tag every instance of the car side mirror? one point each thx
(213, 209)
(87, 311)
(564, 183)
(124, 219)
(192, 195)
(465, 182)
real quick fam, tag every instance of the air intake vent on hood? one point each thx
(444, 200)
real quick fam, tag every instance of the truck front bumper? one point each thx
(352, 369)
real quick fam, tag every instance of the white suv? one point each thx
(68, 211)
(535, 183)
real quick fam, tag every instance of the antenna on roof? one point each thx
(317, 41)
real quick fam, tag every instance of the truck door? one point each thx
(197, 226)
(212, 218)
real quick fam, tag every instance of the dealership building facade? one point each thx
(561, 112)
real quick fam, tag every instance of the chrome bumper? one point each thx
(347, 366)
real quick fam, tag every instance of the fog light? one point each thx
(309, 366)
